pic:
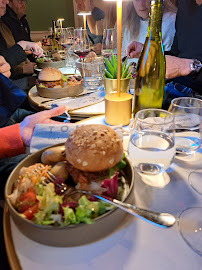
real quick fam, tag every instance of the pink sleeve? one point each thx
(11, 143)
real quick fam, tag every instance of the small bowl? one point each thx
(55, 64)
(73, 235)
(67, 91)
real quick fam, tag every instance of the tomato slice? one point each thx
(26, 200)
(29, 213)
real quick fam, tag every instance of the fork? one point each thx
(160, 219)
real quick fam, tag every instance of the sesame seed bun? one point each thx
(50, 74)
(93, 148)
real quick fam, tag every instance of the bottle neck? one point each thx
(155, 19)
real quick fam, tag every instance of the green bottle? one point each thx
(54, 41)
(150, 75)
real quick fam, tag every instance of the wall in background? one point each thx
(40, 13)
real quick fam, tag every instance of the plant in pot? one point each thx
(110, 75)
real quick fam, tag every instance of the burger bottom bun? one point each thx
(93, 148)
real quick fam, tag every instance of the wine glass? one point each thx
(81, 42)
(109, 42)
(67, 37)
(187, 112)
(151, 147)
(190, 227)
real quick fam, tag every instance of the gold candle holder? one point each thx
(118, 109)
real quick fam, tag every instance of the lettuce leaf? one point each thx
(48, 204)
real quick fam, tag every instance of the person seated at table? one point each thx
(15, 19)
(13, 141)
(183, 61)
(135, 23)
(93, 22)
(15, 53)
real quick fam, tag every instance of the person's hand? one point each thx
(28, 124)
(97, 48)
(176, 66)
(4, 67)
(31, 46)
(134, 49)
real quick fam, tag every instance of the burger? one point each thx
(49, 78)
(91, 150)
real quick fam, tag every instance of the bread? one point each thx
(93, 148)
(50, 74)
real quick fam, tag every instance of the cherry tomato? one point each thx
(29, 213)
(26, 200)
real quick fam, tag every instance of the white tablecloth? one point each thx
(136, 244)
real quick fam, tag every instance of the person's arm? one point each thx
(13, 55)
(176, 67)
(15, 138)
(11, 142)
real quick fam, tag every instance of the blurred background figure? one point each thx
(94, 24)
(135, 23)
(15, 19)
(15, 53)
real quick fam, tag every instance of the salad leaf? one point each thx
(48, 204)
(40, 60)
(42, 86)
(87, 210)
(64, 78)
(111, 186)
(69, 216)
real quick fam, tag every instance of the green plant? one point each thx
(110, 70)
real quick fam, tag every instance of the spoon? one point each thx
(159, 219)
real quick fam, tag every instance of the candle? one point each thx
(84, 14)
(84, 21)
(119, 30)
(118, 106)
(60, 22)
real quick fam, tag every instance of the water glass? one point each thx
(92, 73)
(109, 42)
(187, 114)
(151, 147)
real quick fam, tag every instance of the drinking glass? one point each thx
(151, 146)
(81, 42)
(109, 42)
(190, 227)
(67, 37)
(66, 42)
(92, 73)
(187, 114)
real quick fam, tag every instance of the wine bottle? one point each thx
(54, 41)
(150, 73)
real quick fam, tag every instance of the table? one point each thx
(39, 103)
(135, 244)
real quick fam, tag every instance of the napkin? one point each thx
(49, 134)
(78, 102)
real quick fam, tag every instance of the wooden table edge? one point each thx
(10, 249)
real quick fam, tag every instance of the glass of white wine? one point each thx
(151, 147)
